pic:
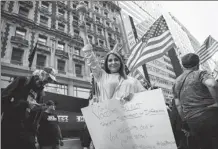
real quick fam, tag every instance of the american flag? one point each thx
(208, 49)
(152, 45)
(138, 75)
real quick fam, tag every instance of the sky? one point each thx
(199, 17)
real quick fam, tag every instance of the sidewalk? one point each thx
(71, 144)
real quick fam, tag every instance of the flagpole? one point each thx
(31, 57)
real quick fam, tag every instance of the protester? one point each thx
(49, 134)
(113, 83)
(196, 94)
(22, 95)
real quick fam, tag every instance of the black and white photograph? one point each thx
(109, 74)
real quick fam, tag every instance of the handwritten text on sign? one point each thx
(142, 123)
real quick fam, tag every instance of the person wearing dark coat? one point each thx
(18, 99)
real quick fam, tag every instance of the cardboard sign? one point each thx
(142, 123)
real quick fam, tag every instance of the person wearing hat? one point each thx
(49, 134)
(18, 99)
(196, 98)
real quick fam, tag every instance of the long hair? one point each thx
(122, 66)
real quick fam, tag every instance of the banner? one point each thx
(142, 123)
(128, 29)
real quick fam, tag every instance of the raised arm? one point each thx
(90, 57)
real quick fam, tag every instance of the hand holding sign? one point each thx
(138, 124)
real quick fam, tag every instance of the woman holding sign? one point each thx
(113, 83)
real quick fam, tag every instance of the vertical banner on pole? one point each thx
(128, 29)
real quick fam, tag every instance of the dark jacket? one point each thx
(85, 137)
(15, 111)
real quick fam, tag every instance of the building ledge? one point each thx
(19, 41)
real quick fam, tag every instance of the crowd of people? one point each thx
(193, 113)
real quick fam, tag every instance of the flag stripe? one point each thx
(134, 53)
(208, 49)
(154, 55)
(155, 48)
(209, 54)
(158, 39)
(136, 56)
(155, 45)
(202, 49)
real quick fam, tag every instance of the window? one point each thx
(23, 11)
(45, 4)
(17, 55)
(99, 31)
(76, 32)
(74, 5)
(97, 19)
(77, 51)
(61, 66)
(81, 92)
(111, 46)
(61, 45)
(43, 20)
(101, 43)
(106, 14)
(75, 18)
(60, 12)
(117, 30)
(108, 24)
(40, 61)
(96, 8)
(78, 69)
(109, 35)
(88, 25)
(42, 39)
(90, 39)
(20, 32)
(61, 26)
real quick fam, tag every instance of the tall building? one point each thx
(195, 44)
(143, 14)
(162, 71)
(54, 25)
